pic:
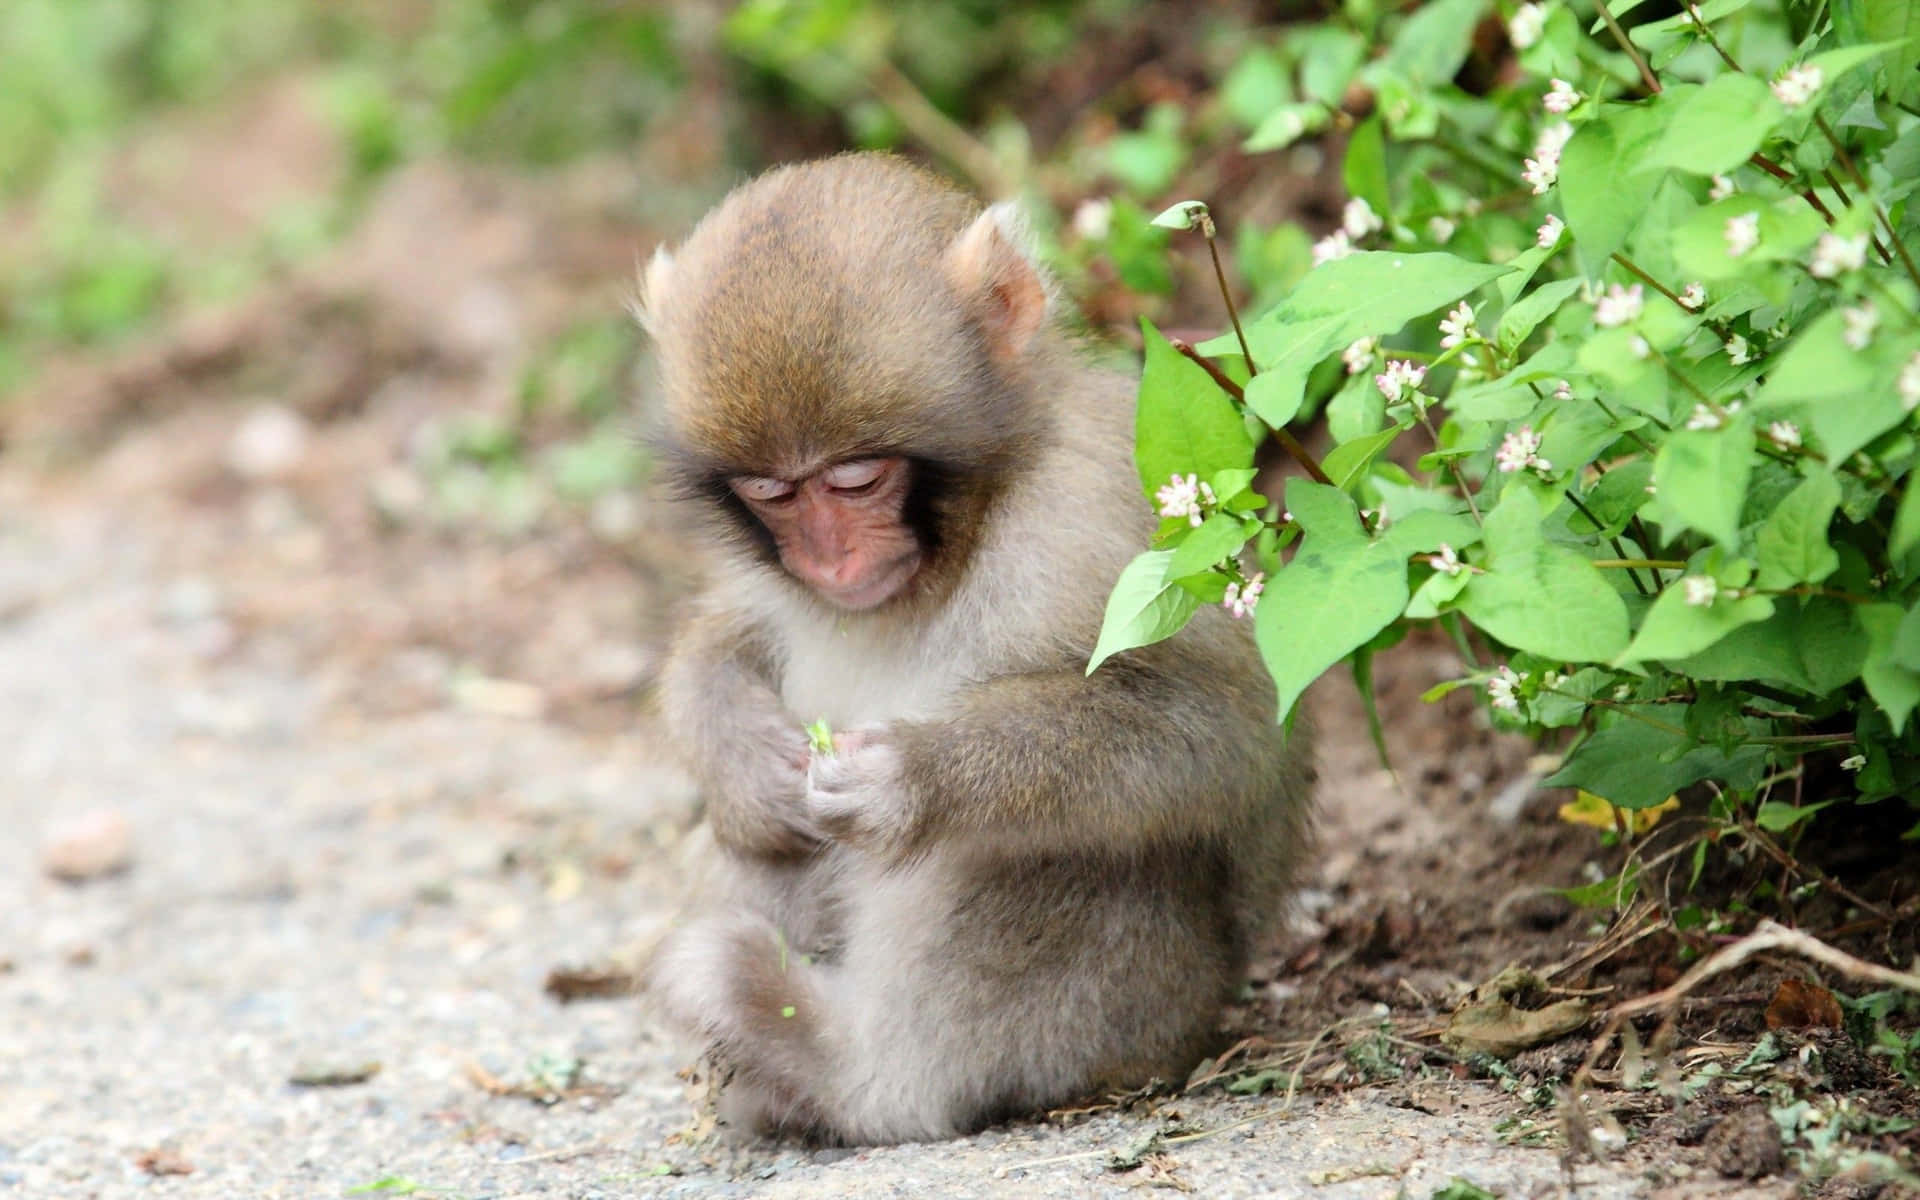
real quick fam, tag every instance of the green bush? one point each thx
(1620, 357)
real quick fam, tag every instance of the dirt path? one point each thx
(312, 891)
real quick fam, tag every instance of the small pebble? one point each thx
(88, 846)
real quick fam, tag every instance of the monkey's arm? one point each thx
(1139, 752)
(747, 753)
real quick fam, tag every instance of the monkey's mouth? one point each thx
(876, 589)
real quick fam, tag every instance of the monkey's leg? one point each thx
(735, 981)
(964, 997)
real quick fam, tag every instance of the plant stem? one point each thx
(1287, 441)
(1615, 540)
(1652, 564)
(1860, 181)
(1626, 44)
(1226, 295)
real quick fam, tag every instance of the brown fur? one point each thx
(1018, 884)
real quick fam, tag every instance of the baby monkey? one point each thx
(1009, 885)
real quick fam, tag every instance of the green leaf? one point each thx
(1674, 629)
(1145, 607)
(1831, 643)
(1896, 22)
(1365, 168)
(1893, 687)
(1186, 424)
(1847, 394)
(1792, 542)
(1274, 398)
(1524, 317)
(1337, 592)
(1347, 463)
(1700, 479)
(1766, 650)
(1219, 537)
(1700, 242)
(1631, 764)
(1430, 46)
(1286, 125)
(1906, 521)
(1373, 292)
(1184, 215)
(1713, 129)
(1602, 194)
(1542, 597)
(1775, 816)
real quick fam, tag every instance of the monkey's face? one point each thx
(842, 530)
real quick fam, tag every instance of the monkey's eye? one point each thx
(766, 491)
(855, 477)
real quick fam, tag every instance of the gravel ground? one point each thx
(312, 892)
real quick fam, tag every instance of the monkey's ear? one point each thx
(654, 282)
(989, 268)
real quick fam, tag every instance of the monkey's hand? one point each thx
(856, 795)
(757, 790)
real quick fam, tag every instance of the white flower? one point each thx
(1860, 320)
(1446, 562)
(1399, 378)
(1333, 246)
(1563, 390)
(1784, 434)
(1721, 189)
(1520, 450)
(1185, 496)
(1500, 689)
(1909, 385)
(1548, 235)
(1544, 167)
(1700, 590)
(1797, 85)
(1619, 306)
(1440, 229)
(1853, 762)
(1560, 97)
(1694, 296)
(1359, 354)
(1705, 417)
(1526, 25)
(1738, 352)
(1240, 601)
(1639, 347)
(1457, 326)
(1358, 218)
(1093, 219)
(1835, 255)
(1742, 233)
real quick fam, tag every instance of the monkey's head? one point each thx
(849, 351)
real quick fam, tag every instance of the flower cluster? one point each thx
(1520, 451)
(1909, 385)
(1784, 434)
(1186, 496)
(1707, 416)
(1529, 21)
(1358, 219)
(1700, 590)
(1358, 355)
(1447, 562)
(1860, 322)
(1548, 235)
(1457, 326)
(1619, 306)
(1742, 234)
(1543, 169)
(1400, 379)
(1797, 85)
(1335, 245)
(1240, 600)
(1835, 255)
(1560, 98)
(1500, 689)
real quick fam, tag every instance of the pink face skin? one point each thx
(840, 530)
